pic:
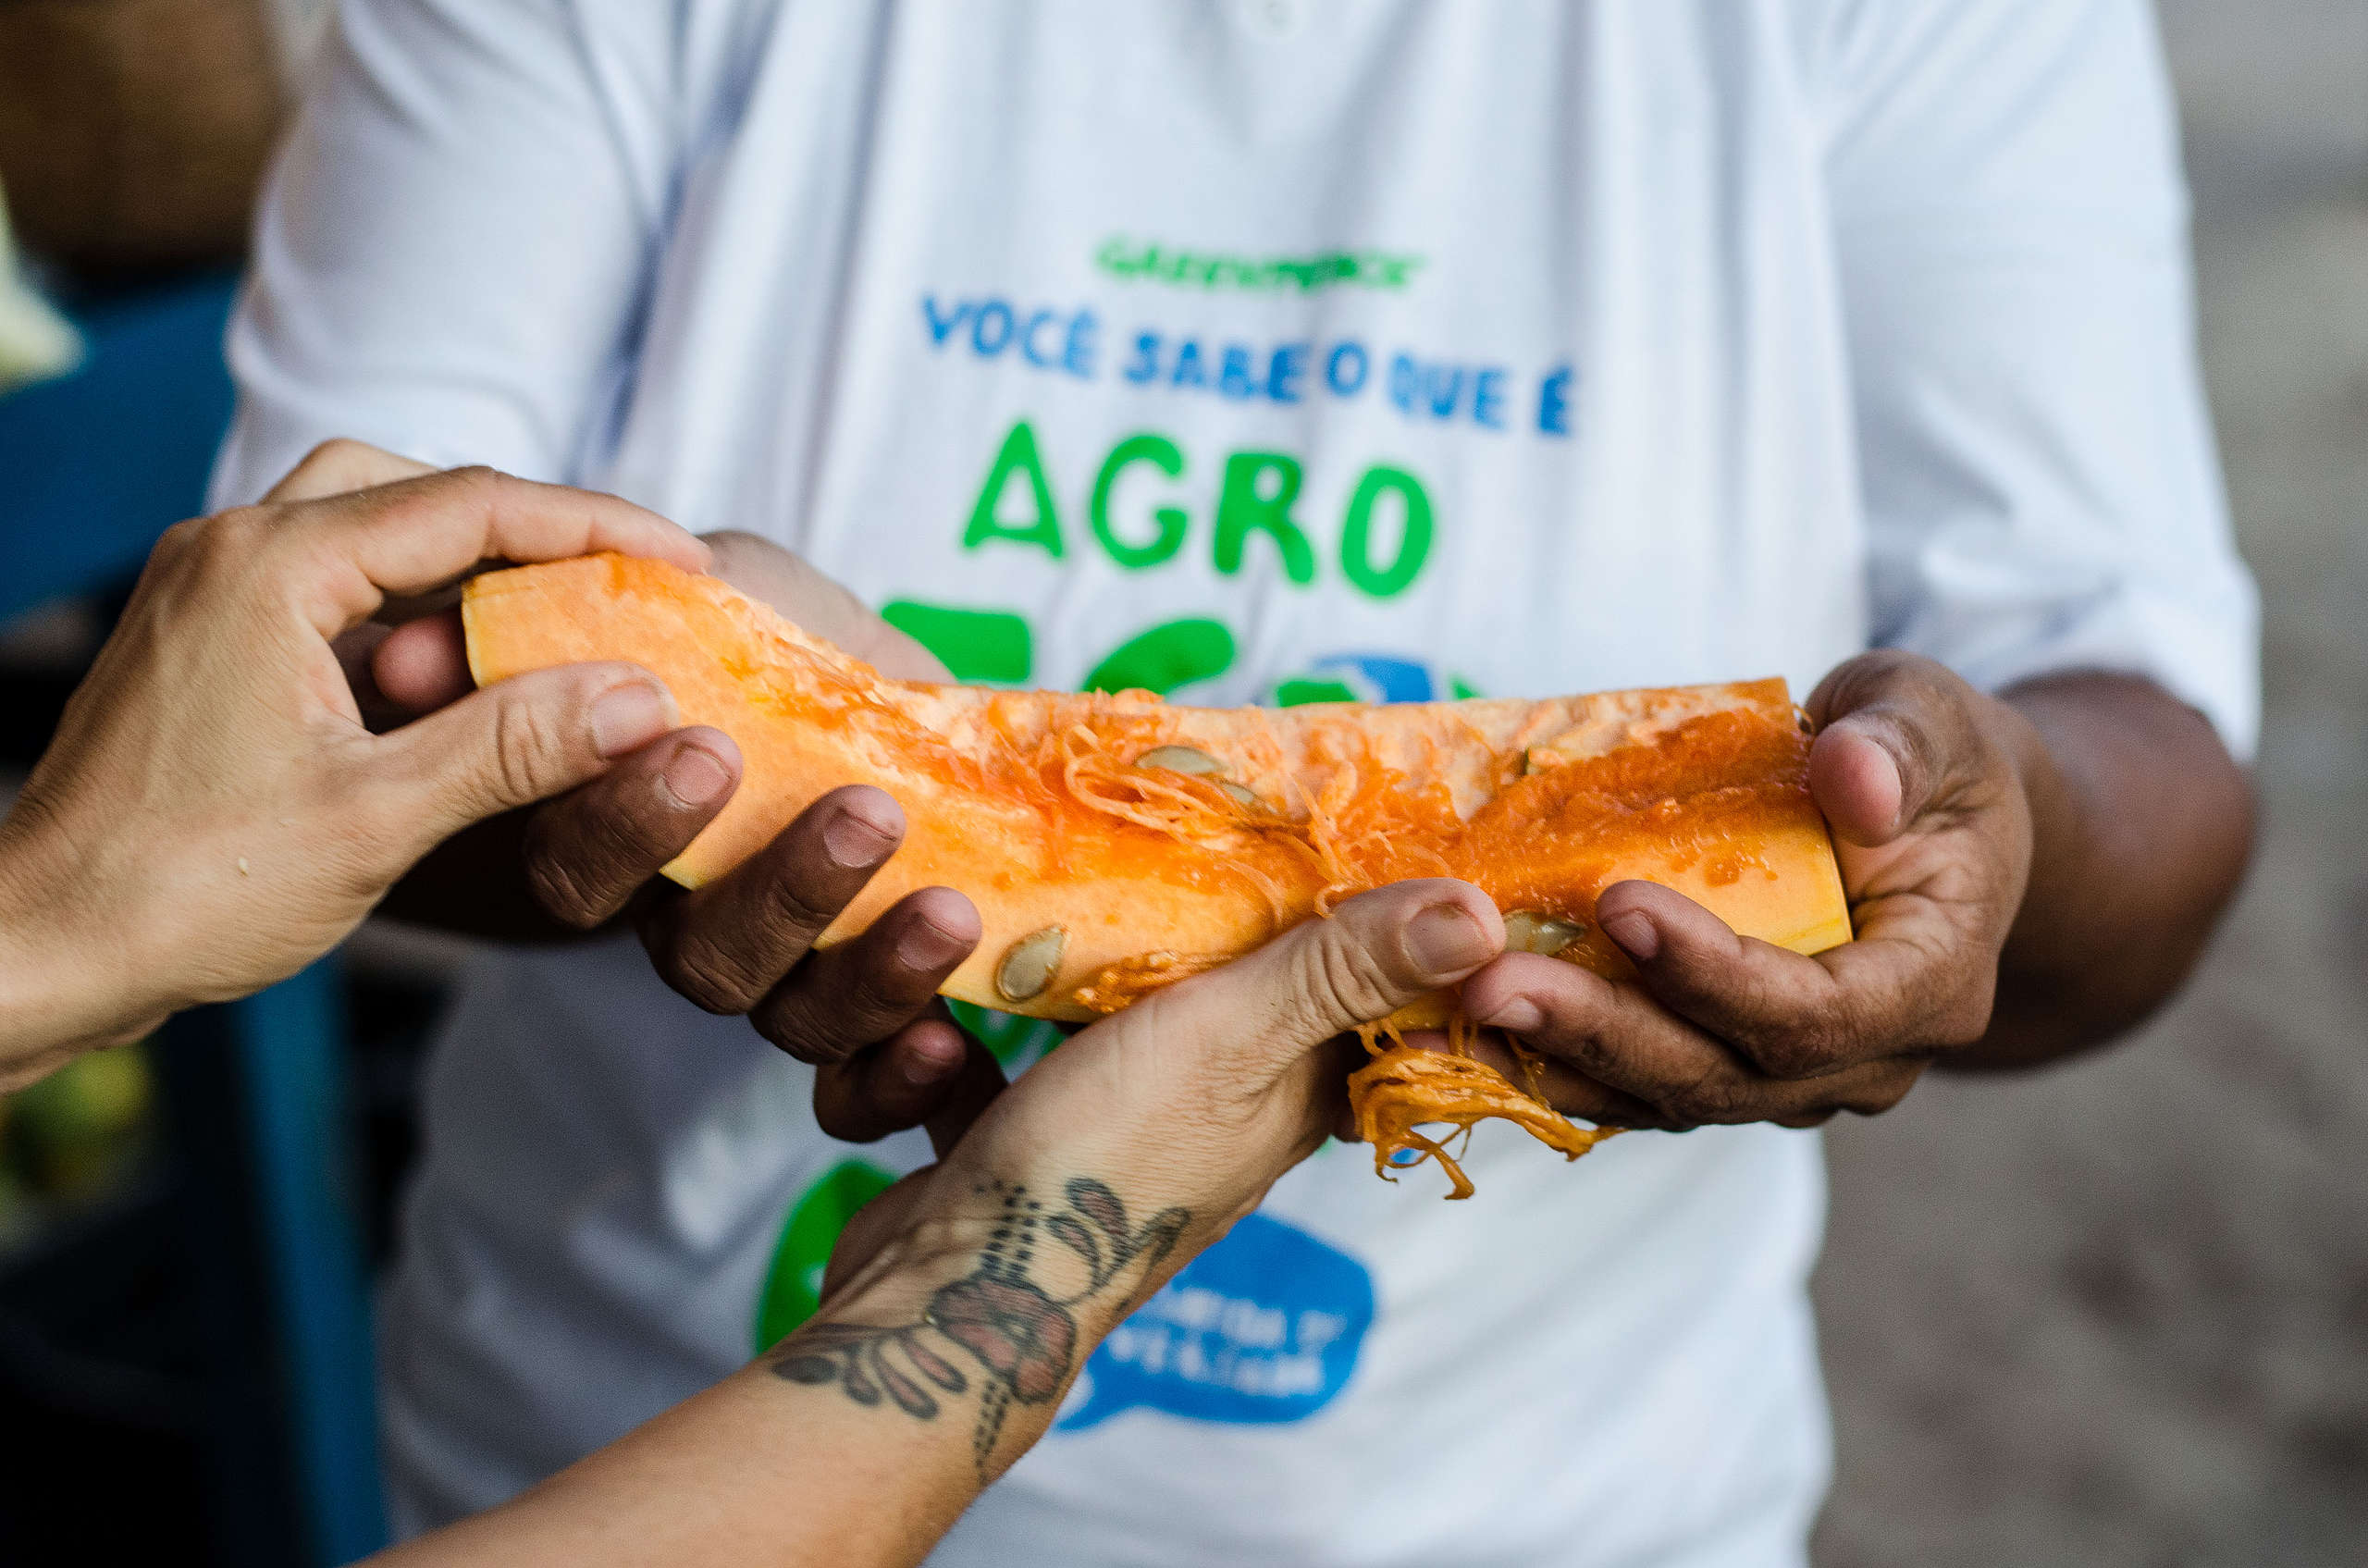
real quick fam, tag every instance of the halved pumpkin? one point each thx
(1115, 844)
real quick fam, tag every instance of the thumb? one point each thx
(1376, 953)
(1894, 732)
(517, 742)
(1858, 783)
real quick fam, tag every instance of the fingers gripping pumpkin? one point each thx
(1115, 844)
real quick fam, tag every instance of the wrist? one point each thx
(2141, 825)
(57, 999)
(938, 1243)
(36, 981)
(2050, 812)
(985, 1289)
(927, 1246)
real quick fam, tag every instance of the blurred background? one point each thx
(2118, 1315)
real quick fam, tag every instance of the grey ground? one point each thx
(2118, 1315)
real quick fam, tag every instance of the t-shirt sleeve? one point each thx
(454, 237)
(2036, 462)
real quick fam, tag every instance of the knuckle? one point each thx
(694, 967)
(584, 857)
(182, 540)
(474, 489)
(1792, 1050)
(1912, 673)
(527, 743)
(1804, 1120)
(1969, 1020)
(331, 460)
(563, 894)
(225, 543)
(790, 1023)
(1577, 1039)
(875, 1005)
(477, 487)
(862, 1010)
(1339, 978)
(1581, 1042)
(1961, 1019)
(1858, 680)
(1885, 1091)
(790, 904)
(736, 546)
(1709, 1099)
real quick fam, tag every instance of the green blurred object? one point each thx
(973, 645)
(794, 1286)
(1171, 655)
(1299, 693)
(78, 1133)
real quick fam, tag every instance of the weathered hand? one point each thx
(212, 813)
(1917, 774)
(865, 1012)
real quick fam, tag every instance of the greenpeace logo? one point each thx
(1132, 262)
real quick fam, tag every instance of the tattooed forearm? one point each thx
(1013, 1316)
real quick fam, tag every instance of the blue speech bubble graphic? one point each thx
(1264, 1327)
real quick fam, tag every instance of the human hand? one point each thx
(1918, 776)
(865, 1012)
(986, 1280)
(1189, 1104)
(212, 813)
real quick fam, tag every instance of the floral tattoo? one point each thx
(1022, 1335)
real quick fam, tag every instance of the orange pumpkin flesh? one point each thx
(1041, 806)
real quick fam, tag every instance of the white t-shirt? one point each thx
(1253, 351)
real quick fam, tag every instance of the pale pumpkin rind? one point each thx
(1541, 803)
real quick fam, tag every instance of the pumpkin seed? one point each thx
(1242, 794)
(1527, 931)
(1030, 964)
(1181, 759)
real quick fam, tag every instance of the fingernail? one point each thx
(628, 717)
(1445, 940)
(855, 841)
(1637, 936)
(924, 944)
(1519, 1016)
(696, 776)
(927, 1058)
